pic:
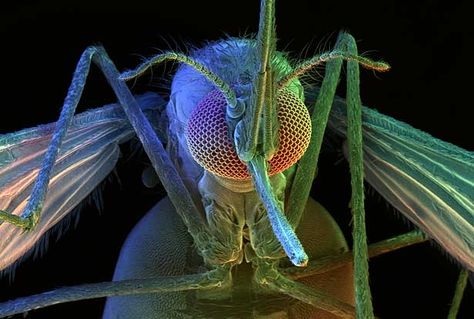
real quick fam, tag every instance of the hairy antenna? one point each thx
(319, 59)
(229, 94)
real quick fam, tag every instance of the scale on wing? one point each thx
(88, 154)
(429, 181)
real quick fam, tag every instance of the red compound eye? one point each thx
(208, 142)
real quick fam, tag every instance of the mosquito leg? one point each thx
(356, 166)
(307, 165)
(173, 184)
(208, 280)
(460, 286)
(325, 264)
(270, 278)
(158, 156)
(31, 214)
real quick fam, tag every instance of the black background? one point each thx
(428, 44)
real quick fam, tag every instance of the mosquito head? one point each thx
(210, 144)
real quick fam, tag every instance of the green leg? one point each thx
(151, 144)
(267, 276)
(460, 286)
(207, 280)
(322, 265)
(30, 216)
(354, 135)
(283, 280)
(307, 165)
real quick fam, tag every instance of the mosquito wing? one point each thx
(429, 181)
(88, 154)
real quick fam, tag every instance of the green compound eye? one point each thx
(210, 146)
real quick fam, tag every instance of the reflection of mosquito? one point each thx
(238, 129)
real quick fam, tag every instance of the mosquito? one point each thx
(248, 147)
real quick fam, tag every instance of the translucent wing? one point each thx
(430, 181)
(88, 154)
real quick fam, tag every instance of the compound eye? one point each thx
(210, 146)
